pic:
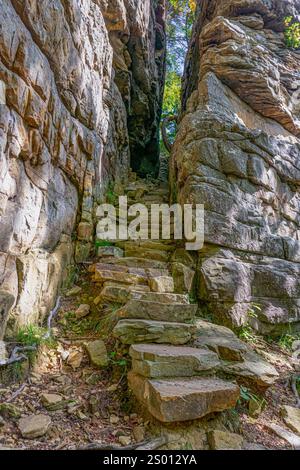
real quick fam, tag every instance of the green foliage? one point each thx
(31, 335)
(180, 18)
(246, 332)
(99, 243)
(292, 32)
(246, 395)
(172, 93)
(111, 196)
(193, 298)
(115, 360)
(72, 273)
(286, 340)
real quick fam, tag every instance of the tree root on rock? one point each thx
(146, 445)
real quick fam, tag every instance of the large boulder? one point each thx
(237, 151)
(172, 400)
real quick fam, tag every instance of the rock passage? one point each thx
(177, 359)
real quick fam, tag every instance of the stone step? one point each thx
(164, 298)
(129, 275)
(107, 272)
(156, 361)
(180, 399)
(147, 253)
(133, 261)
(158, 245)
(162, 284)
(120, 292)
(148, 331)
(158, 311)
(110, 252)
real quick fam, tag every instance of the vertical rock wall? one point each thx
(238, 152)
(66, 123)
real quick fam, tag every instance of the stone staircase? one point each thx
(173, 381)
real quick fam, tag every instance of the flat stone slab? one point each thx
(221, 440)
(288, 436)
(221, 340)
(164, 298)
(147, 331)
(34, 426)
(97, 353)
(110, 251)
(156, 361)
(291, 417)
(158, 311)
(172, 400)
(108, 272)
(253, 369)
(162, 284)
(144, 263)
(120, 292)
(128, 275)
(157, 255)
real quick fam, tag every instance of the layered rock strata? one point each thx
(80, 84)
(238, 152)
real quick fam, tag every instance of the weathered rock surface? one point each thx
(34, 426)
(237, 152)
(148, 331)
(172, 400)
(52, 401)
(221, 340)
(253, 369)
(158, 311)
(171, 361)
(238, 359)
(80, 85)
(97, 353)
(291, 417)
(82, 311)
(120, 293)
(224, 440)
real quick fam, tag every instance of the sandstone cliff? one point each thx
(238, 152)
(80, 89)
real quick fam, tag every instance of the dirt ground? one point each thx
(96, 404)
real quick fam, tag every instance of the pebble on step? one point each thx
(156, 361)
(181, 399)
(148, 331)
(157, 311)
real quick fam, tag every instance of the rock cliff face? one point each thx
(80, 87)
(238, 152)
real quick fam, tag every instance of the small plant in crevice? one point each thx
(31, 335)
(193, 298)
(286, 340)
(71, 276)
(292, 32)
(117, 360)
(246, 332)
(246, 396)
(111, 196)
(101, 243)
